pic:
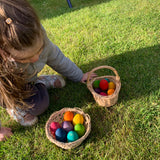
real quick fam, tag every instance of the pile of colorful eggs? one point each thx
(104, 87)
(71, 129)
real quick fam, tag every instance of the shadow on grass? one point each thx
(59, 7)
(139, 71)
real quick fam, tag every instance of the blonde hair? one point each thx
(19, 28)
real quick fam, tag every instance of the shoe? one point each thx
(51, 81)
(20, 116)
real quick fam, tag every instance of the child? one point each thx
(24, 51)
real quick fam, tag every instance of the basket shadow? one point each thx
(101, 122)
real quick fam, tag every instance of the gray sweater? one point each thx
(53, 57)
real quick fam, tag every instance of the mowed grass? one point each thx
(123, 34)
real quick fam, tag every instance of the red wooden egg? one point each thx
(53, 127)
(103, 84)
(103, 94)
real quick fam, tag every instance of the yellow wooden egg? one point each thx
(78, 119)
(111, 85)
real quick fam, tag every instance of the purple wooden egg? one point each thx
(67, 126)
(97, 90)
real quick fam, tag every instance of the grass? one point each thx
(119, 33)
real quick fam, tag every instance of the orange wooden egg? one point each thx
(68, 116)
(110, 91)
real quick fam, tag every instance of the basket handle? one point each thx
(87, 115)
(80, 110)
(101, 67)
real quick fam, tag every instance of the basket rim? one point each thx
(70, 145)
(118, 86)
(117, 77)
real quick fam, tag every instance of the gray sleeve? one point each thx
(63, 65)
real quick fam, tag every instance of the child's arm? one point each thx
(85, 77)
(66, 67)
(63, 65)
(58, 62)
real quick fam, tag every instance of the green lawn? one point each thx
(123, 34)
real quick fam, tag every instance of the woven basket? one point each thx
(105, 101)
(58, 117)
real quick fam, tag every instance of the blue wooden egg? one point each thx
(61, 135)
(107, 80)
(72, 136)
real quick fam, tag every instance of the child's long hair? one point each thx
(20, 32)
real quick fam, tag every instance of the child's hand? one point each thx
(85, 76)
(5, 133)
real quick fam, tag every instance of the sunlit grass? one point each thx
(120, 33)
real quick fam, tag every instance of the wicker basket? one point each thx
(58, 117)
(105, 101)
